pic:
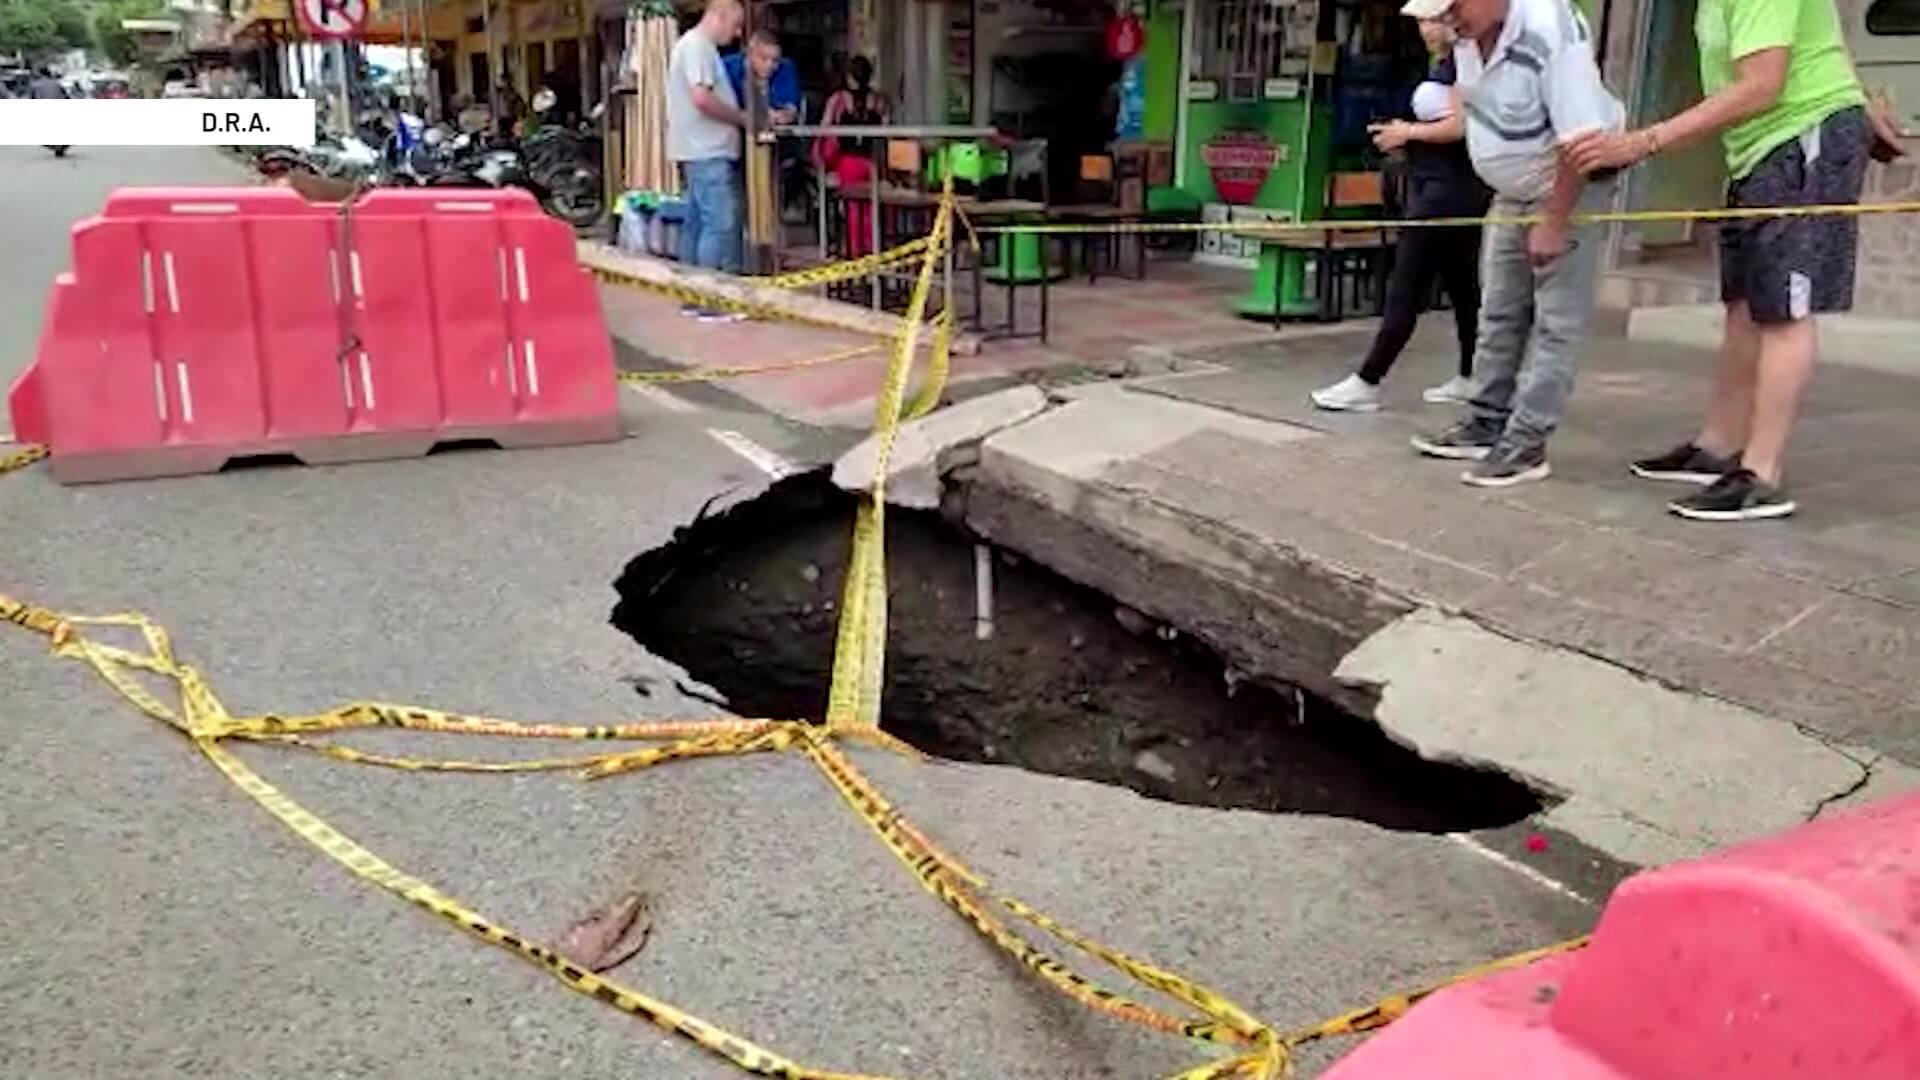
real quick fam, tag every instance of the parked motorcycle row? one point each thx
(559, 165)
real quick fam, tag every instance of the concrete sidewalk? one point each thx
(1643, 669)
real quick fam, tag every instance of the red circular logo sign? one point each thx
(332, 19)
(1125, 38)
(1240, 162)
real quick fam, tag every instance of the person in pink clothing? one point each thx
(847, 159)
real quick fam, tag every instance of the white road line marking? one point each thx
(762, 458)
(665, 399)
(1518, 867)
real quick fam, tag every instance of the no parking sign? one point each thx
(332, 20)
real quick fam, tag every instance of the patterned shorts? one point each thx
(1791, 267)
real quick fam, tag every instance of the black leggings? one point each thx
(1450, 254)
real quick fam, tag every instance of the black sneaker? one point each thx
(1507, 465)
(1736, 496)
(1687, 464)
(1468, 440)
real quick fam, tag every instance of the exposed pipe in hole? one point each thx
(982, 592)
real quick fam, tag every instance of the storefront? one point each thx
(1262, 100)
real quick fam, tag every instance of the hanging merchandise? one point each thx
(651, 31)
(1126, 37)
(1130, 121)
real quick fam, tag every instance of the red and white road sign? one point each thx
(332, 19)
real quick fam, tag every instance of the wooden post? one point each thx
(758, 157)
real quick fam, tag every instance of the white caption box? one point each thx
(155, 122)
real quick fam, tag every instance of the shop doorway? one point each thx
(1692, 176)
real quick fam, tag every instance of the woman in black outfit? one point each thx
(1440, 184)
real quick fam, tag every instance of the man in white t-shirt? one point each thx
(1528, 82)
(704, 120)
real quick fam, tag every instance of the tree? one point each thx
(119, 46)
(33, 28)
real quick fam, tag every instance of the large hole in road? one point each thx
(747, 601)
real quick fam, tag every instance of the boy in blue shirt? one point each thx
(779, 80)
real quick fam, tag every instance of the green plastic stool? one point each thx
(970, 161)
(1028, 265)
(1285, 271)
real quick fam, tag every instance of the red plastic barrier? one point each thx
(200, 325)
(1792, 958)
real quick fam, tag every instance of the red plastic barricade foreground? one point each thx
(1793, 958)
(200, 325)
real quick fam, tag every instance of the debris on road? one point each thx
(610, 935)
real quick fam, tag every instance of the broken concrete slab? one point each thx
(1285, 550)
(1105, 426)
(913, 471)
(1064, 490)
(1455, 690)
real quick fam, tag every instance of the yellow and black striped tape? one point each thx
(1600, 217)
(717, 373)
(16, 460)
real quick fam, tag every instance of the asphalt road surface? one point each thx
(158, 924)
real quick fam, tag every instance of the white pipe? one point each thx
(982, 592)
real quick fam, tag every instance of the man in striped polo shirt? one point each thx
(1528, 81)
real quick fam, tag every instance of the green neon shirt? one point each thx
(1820, 78)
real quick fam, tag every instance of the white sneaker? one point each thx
(1351, 394)
(1455, 391)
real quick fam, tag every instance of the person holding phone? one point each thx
(1440, 183)
(1782, 94)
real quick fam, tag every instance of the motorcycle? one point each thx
(564, 163)
(564, 186)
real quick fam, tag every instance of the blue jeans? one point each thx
(710, 235)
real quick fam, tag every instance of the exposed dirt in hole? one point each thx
(747, 601)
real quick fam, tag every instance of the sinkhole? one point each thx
(1068, 683)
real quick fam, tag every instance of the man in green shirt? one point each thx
(1782, 94)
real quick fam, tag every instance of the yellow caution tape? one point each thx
(1278, 228)
(827, 274)
(201, 717)
(1387, 1010)
(21, 458)
(859, 659)
(714, 374)
(811, 277)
